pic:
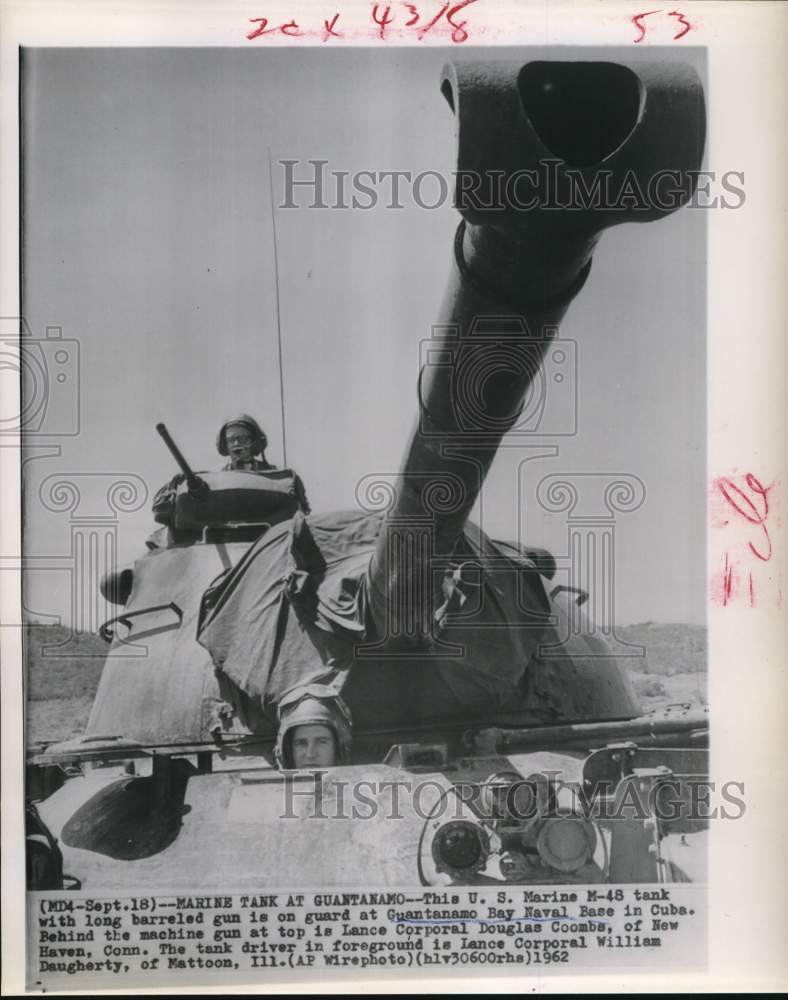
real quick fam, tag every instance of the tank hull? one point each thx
(250, 828)
(158, 683)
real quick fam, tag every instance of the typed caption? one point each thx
(76, 938)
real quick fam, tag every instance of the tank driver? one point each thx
(314, 732)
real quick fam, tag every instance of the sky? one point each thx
(147, 239)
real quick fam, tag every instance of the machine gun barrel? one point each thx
(193, 481)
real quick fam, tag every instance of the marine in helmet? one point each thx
(314, 731)
(243, 441)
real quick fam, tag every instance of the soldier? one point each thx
(313, 731)
(241, 439)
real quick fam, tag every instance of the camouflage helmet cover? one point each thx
(260, 439)
(304, 708)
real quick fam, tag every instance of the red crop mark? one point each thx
(637, 20)
(752, 591)
(745, 506)
(683, 21)
(328, 28)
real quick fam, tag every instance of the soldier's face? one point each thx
(240, 445)
(313, 746)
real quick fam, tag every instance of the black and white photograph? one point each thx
(370, 526)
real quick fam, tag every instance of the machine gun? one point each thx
(197, 487)
(226, 501)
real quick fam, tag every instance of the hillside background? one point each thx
(61, 684)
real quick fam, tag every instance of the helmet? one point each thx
(260, 440)
(303, 707)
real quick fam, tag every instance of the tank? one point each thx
(470, 682)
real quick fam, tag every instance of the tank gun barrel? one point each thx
(193, 481)
(549, 155)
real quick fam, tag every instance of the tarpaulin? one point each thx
(293, 612)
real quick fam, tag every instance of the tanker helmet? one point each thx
(303, 708)
(244, 420)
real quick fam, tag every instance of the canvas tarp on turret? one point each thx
(293, 611)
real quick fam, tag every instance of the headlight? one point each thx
(460, 848)
(566, 842)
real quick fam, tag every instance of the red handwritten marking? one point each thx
(382, 22)
(328, 28)
(422, 32)
(414, 15)
(746, 501)
(290, 28)
(724, 584)
(683, 21)
(459, 34)
(637, 21)
(382, 17)
(747, 509)
(727, 582)
(262, 30)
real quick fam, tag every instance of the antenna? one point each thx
(278, 312)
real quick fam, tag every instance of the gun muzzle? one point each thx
(194, 483)
(550, 154)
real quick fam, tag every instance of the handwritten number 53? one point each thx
(683, 24)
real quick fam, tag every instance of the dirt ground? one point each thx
(57, 719)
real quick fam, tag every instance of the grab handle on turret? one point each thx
(194, 484)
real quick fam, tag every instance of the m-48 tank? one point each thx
(451, 667)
